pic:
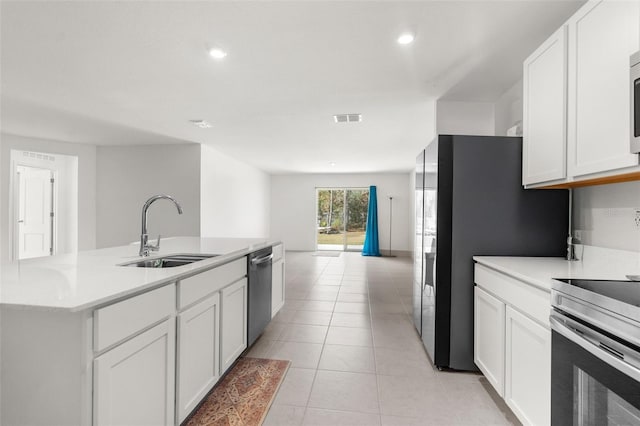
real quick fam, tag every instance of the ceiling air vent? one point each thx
(201, 123)
(347, 118)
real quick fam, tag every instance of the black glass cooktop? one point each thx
(624, 291)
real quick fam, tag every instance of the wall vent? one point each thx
(347, 118)
(39, 156)
(201, 124)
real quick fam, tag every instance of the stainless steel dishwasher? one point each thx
(259, 293)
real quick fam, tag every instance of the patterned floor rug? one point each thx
(244, 395)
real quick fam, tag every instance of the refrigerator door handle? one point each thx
(433, 273)
(435, 255)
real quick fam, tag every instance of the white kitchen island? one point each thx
(86, 341)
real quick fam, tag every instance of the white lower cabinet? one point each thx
(512, 342)
(134, 383)
(527, 368)
(277, 280)
(277, 287)
(233, 322)
(198, 353)
(488, 342)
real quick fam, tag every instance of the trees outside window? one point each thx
(341, 218)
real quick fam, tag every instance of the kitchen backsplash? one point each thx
(608, 215)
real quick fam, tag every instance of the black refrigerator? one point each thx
(470, 202)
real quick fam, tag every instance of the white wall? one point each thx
(294, 216)
(605, 215)
(235, 200)
(128, 175)
(412, 211)
(86, 154)
(465, 118)
(508, 109)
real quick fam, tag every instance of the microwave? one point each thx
(635, 102)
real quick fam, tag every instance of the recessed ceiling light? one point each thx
(405, 38)
(332, 164)
(201, 123)
(217, 53)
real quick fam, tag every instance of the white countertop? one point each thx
(595, 263)
(84, 280)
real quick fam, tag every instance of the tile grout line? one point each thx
(375, 356)
(315, 374)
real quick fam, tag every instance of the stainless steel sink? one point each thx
(169, 261)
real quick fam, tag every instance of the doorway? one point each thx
(43, 206)
(341, 218)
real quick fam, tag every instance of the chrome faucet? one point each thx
(572, 241)
(145, 247)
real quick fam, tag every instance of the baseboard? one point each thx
(383, 253)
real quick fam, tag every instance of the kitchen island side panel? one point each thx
(45, 360)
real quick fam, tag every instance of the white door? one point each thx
(198, 366)
(134, 383)
(35, 212)
(527, 369)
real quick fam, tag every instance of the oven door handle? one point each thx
(590, 346)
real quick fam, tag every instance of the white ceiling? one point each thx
(135, 72)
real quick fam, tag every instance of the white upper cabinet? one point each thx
(576, 98)
(602, 36)
(544, 111)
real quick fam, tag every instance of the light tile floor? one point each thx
(356, 358)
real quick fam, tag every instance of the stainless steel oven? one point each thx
(635, 102)
(595, 360)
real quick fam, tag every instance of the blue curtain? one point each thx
(371, 246)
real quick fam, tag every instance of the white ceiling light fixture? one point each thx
(347, 118)
(406, 38)
(201, 124)
(217, 53)
(332, 164)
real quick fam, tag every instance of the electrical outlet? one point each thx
(637, 218)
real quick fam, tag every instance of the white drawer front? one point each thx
(278, 252)
(116, 322)
(194, 288)
(532, 301)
